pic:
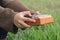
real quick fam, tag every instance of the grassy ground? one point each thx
(46, 32)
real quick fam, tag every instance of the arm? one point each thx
(6, 19)
(16, 5)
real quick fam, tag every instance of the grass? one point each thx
(45, 32)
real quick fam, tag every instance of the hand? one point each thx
(37, 12)
(19, 19)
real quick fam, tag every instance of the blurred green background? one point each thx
(45, 32)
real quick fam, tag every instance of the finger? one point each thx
(37, 12)
(16, 24)
(29, 19)
(24, 24)
(28, 13)
(20, 26)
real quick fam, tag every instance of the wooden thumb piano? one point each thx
(41, 19)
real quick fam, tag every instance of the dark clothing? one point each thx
(3, 33)
(4, 39)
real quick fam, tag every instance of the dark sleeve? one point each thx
(6, 19)
(17, 6)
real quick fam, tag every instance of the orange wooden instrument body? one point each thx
(40, 20)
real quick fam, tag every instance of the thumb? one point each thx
(28, 13)
(37, 12)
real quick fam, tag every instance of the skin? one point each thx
(19, 19)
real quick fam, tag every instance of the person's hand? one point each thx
(37, 12)
(19, 19)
